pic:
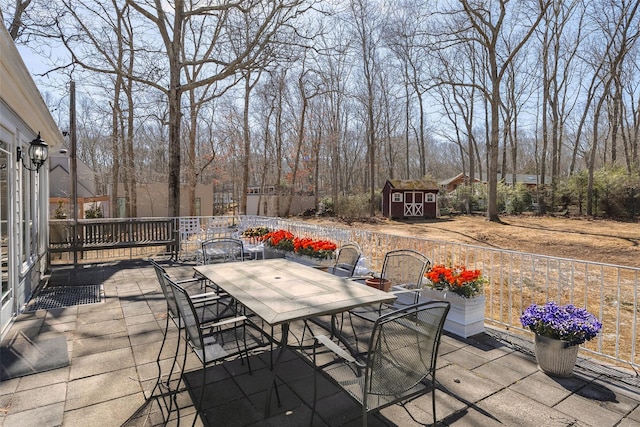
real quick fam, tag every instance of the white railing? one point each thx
(514, 279)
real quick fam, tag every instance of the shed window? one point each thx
(396, 197)
(431, 198)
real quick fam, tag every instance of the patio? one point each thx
(490, 379)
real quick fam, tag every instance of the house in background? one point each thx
(153, 200)
(449, 185)
(531, 181)
(24, 194)
(60, 188)
(410, 199)
(267, 202)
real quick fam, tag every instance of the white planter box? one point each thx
(404, 296)
(307, 260)
(466, 316)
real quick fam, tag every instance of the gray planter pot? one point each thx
(555, 357)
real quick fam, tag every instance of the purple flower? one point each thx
(565, 322)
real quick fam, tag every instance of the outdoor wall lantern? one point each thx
(38, 152)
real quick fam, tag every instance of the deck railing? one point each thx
(514, 279)
(112, 237)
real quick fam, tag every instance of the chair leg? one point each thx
(159, 380)
(433, 398)
(355, 333)
(172, 394)
(244, 354)
(199, 407)
(164, 339)
(175, 355)
(184, 361)
(315, 391)
(167, 383)
(173, 365)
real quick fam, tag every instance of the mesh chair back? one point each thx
(405, 267)
(188, 315)
(222, 250)
(347, 259)
(404, 348)
(163, 279)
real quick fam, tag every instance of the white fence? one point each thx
(514, 279)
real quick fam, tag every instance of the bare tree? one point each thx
(406, 36)
(459, 104)
(169, 20)
(366, 24)
(622, 32)
(16, 22)
(487, 30)
(335, 69)
(560, 37)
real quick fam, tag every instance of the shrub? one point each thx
(355, 206)
(93, 212)
(466, 198)
(519, 199)
(60, 212)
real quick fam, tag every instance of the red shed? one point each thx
(405, 198)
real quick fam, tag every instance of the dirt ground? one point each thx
(596, 240)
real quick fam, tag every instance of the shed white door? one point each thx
(413, 203)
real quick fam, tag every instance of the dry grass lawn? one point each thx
(605, 241)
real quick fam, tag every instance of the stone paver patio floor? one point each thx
(488, 380)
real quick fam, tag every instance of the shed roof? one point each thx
(413, 184)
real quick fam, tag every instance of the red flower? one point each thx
(459, 280)
(314, 248)
(281, 239)
(285, 240)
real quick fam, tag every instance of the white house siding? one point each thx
(23, 194)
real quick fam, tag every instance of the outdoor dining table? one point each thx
(280, 291)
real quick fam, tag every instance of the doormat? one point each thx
(65, 296)
(23, 356)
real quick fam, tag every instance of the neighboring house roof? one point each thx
(458, 177)
(60, 181)
(413, 184)
(523, 178)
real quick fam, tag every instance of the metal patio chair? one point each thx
(347, 259)
(222, 249)
(401, 357)
(215, 342)
(402, 267)
(345, 265)
(211, 308)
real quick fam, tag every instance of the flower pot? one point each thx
(555, 357)
(466, 316)
(378, 283)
